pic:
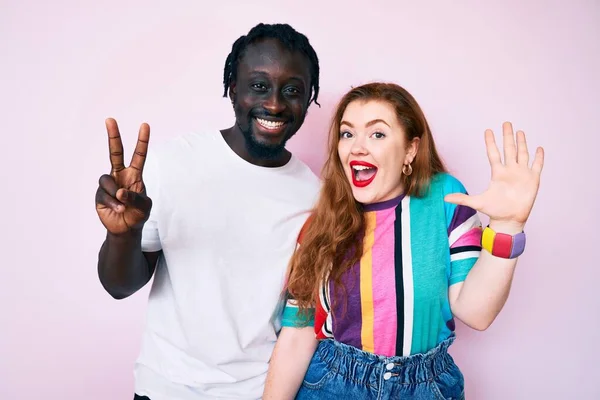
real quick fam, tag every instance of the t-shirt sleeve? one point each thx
(292, 316)
(464, 234)
(150, 235)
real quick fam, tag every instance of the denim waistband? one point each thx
(368, 368)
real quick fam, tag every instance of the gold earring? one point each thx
(407, 169)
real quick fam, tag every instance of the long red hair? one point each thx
(332, 239)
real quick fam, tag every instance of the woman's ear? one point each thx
(412, 150)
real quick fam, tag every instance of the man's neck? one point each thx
(237, 142)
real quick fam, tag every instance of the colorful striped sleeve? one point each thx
(464, 234)
(292, 317)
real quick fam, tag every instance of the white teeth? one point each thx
(269, 124)
(361, 167)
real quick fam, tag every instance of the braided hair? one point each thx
(289, 38)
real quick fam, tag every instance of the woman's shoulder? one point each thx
(446, 183)
(304, 228)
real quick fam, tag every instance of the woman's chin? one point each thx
(363, 196)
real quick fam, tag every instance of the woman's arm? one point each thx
(507, 202)
(289, 362)
(479, 299)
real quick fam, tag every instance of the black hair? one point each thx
(289, 37)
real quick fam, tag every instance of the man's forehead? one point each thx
(267, 53)
(265, 45)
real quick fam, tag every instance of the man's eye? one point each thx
(259, 86)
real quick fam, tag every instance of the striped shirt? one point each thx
(395, 301)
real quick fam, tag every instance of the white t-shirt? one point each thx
(227, 229)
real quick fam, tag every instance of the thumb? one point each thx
(460, 199)
(134, 200)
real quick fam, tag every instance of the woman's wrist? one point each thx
(506, 227)
(504, 239)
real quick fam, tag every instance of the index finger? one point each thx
(141, 148)
(115, 146)
(492, 149)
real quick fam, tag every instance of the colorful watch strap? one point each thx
(503, 245)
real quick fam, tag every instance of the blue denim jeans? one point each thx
(342, 372)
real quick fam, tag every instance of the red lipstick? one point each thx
(363, 166)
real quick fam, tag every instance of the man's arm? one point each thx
(123, 268)
(124, 208)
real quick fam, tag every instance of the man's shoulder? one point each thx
(306, 172)
(169, 159)
(184, 143)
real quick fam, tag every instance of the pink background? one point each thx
(66, 65)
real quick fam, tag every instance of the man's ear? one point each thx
(232, 92)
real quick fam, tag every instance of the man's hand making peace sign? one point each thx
(121, 200)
